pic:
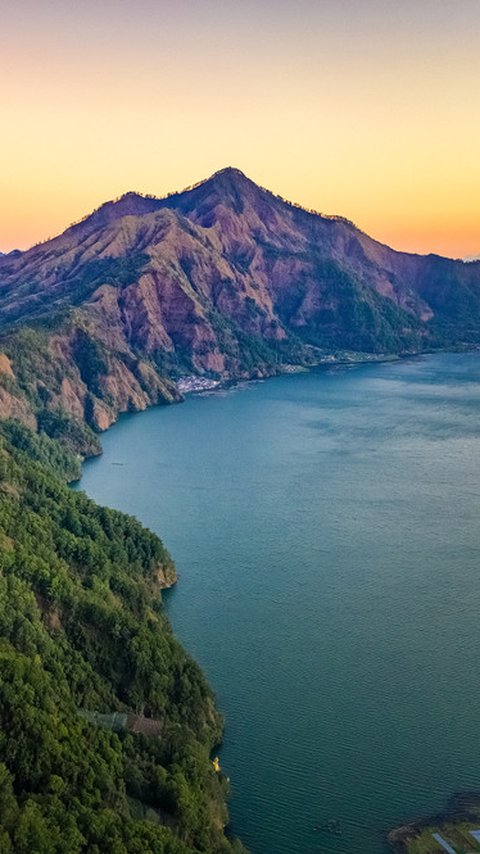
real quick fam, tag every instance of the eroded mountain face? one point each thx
(225, 279)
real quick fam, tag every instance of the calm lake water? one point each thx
(326, 531)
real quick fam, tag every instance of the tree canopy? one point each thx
(82, 629)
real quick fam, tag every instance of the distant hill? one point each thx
(224, 279)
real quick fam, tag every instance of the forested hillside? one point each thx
(82, 630)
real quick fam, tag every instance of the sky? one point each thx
(365, 108)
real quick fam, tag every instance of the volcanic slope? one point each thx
(224, 278)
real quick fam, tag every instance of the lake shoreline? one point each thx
(336, 376)
(197, 385)
(462, 807)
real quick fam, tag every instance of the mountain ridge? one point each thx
(146, 203)
(152, 202)
(225, 279)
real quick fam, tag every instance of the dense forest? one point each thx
(106, 725)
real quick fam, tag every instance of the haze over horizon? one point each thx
(369, 110)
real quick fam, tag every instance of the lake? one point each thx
(325, 527)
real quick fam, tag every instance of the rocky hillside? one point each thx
(223, 279)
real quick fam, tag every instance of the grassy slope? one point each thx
(461, 816)
(457, 835)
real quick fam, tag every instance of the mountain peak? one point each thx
(227, 188)
(228, 172)
(224, 180)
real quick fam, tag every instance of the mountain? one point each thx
(224, 279)
(107, 726)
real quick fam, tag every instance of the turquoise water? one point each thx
(325, 527)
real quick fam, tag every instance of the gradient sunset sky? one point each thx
(365, 108)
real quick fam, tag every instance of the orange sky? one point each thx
(365, 108)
